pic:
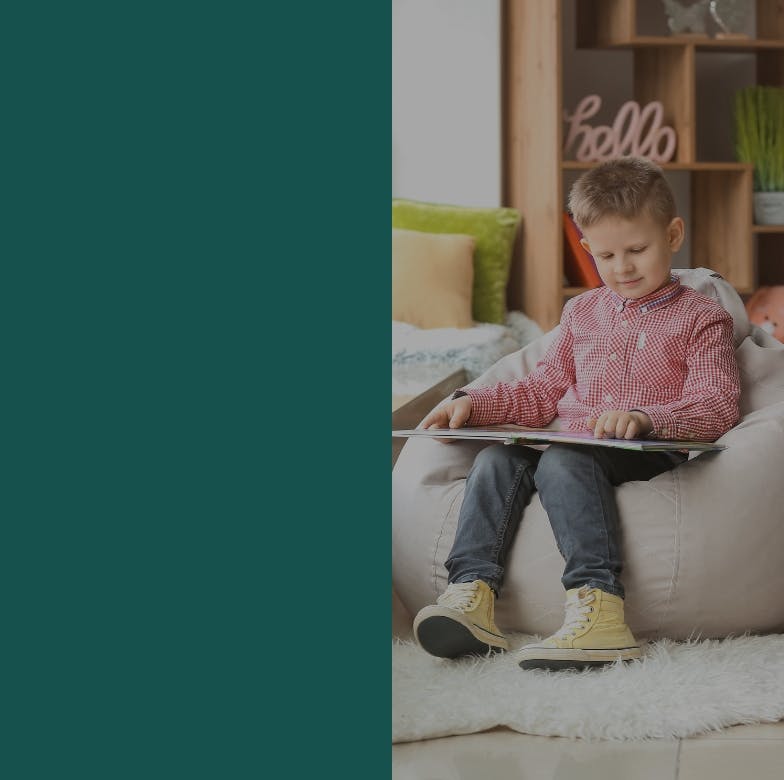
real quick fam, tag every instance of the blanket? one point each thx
(423, 357)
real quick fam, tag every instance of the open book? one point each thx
(518, 434)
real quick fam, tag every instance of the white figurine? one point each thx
(686, 18)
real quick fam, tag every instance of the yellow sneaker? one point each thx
(593, 634)
(460, 622)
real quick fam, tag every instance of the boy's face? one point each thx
(633, 256)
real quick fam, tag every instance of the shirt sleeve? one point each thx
(532, 400)
(708, 406)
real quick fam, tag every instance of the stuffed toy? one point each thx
(766, 310)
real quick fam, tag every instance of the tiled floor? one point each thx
(748, 752)
(745, 752)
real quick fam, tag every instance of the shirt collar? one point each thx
(652, 301)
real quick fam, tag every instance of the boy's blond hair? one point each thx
(625, 187)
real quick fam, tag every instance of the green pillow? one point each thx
(494, 230)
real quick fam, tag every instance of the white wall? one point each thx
(446, 101)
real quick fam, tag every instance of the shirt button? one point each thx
(619, 307)
(608, 398)
(613, 356)
(624, 323)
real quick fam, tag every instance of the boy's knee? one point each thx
(490, 458)
(558, 461)
(502, 464)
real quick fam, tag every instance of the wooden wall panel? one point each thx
(666, 74)
(532, 140)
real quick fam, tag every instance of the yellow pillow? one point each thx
(432, 278)
(494, 230)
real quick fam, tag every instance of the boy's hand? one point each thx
(621, 425)
(450, 414)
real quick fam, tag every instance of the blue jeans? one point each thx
(576, 485)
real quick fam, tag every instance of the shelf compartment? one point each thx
(770, 68)
(770, 256)
(612, 24)
(721, 223)
(660, 71)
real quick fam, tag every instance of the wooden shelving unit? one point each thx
(723, 236)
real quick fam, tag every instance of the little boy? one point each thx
(640, 356)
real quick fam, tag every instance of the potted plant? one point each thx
(759, 140)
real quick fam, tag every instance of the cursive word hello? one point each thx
(633, 132)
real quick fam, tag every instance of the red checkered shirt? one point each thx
(669, 354)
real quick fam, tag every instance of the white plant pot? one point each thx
(769, 208)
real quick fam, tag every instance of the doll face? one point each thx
(633, 256)
(766, 310)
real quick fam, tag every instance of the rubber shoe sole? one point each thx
(556, 659)
(447, 638)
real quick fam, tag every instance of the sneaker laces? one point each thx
(459, 595)
(577, 610)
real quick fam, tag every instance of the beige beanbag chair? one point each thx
(703, 544)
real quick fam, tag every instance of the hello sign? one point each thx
(633, 132)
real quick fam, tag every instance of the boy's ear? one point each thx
(584, 244)
(676, 232)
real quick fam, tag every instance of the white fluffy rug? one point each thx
(678, 689)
